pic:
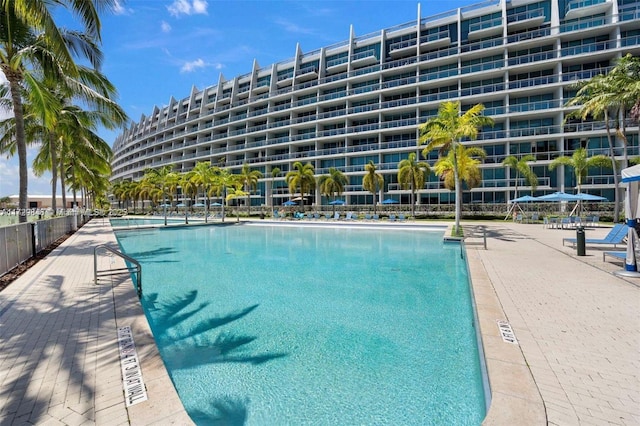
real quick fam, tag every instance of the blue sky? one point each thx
(156, 49)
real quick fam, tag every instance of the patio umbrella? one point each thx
(181, 205)
(631, 176)
(337, 203)
(164, 205)
(582, 196)
(198, 205)
(590, 197)
(515, 201)
(524, 199)
(390, 201)
(216, 204)
(289, 203)
(558, 196)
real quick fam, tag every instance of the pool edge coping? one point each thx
(515, 397)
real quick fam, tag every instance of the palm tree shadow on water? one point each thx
(205, 344)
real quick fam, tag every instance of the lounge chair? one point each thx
(616, 236)
(392, 217)
(336, 216)
(400, 217)
(375, 217)
(618, 255)
(367, 216)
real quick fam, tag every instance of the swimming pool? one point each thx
(308, 325)
(127, 222)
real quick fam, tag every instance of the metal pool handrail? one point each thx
(138, 268)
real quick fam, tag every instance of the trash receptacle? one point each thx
(580, 241)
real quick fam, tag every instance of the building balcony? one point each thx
(490, 28)
(528, 19)
(581, 8)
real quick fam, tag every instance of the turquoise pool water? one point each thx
(133, 222)
(273, 325)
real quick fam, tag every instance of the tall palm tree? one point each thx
(581, 163)
(332, 185)
(412, 174)
(275, 172)
(249, 179)
(448, 130)
(522, 168)
(31, 45)
(301, 178)
(372, 181)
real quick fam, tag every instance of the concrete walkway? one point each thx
(59, 357)
(577, 324)
(578, 328)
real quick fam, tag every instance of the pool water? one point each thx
(272, 325)
(134, 222)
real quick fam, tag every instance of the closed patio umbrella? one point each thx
(631, 176)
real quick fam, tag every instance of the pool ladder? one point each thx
(131, 263)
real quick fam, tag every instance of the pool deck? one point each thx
(576, 361)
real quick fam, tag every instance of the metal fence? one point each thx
(22, 241)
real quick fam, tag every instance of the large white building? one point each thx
(364, 99)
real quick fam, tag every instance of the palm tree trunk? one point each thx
(54, 170)
(458, 190)
(224, 200)
(21, 143)
(614, 167)
(63, 189)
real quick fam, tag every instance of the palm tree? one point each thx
(249, 179)
(31, 45)
(609, 96)
(446, 131)
(165, 180)
(372, 181)
(225, 182)
(581, 164)
(412, 174)
(275, 172)
(301, 178)
(119, 189)
(468, 167)
(332, 185)
(202, 177)
(522, 168)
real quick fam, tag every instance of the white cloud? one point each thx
(192, 65)
(166, 28)
(292, 27)
(186, 7)
(10, 180)
(119, 9)
(200, 7)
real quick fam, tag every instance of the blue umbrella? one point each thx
(165, 205)
(590, 197)
(198, 205)
(289, 203)
(181, 205)
(524, 199)
(337, 203)
(558, 196)
(216, 204)
(390, 201)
